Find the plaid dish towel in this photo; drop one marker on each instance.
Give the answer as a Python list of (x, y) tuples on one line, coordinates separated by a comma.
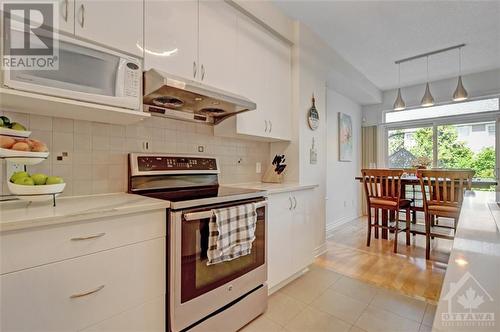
[(231, 233)]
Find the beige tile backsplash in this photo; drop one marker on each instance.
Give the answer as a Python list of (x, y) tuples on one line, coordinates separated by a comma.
[(96, 160)]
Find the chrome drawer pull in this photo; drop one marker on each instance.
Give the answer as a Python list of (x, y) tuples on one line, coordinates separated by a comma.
[(88, 237), (74, 296)]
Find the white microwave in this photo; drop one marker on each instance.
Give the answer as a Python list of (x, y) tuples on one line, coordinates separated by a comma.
[(86, 72)]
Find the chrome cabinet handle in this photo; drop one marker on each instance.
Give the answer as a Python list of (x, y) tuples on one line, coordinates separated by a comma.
[(74, 296), (82, 15), (65, 16), (291, 203), (295, 202), (270, 126), (195, 69), (90, 237), (265, 130), (202, 72)]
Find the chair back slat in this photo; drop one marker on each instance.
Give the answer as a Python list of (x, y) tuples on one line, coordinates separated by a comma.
[(382, 183), (445, 186)]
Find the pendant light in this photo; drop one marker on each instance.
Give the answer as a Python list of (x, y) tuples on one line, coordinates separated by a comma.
[(399, 104), (460, 92), (427, 99)]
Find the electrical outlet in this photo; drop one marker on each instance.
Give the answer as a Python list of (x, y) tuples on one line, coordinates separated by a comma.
[(146, 146), (13, 167), (201, 148), (258, 167)]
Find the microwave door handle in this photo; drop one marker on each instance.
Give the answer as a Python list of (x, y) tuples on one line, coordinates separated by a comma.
[(120, 78)]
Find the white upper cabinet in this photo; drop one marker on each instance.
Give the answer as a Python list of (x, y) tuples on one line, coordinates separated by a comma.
[(250, 68), (263, 71), (217, 44), (171, 37), (117, 24), (67, 16), (279, 89)]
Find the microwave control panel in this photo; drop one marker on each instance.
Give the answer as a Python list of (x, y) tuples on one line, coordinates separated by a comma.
[(172, 163), (133, 75)]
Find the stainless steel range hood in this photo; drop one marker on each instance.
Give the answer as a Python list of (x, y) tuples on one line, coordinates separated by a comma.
[(174, 97)]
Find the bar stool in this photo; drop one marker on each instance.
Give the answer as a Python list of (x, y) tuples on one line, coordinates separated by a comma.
[(383, 192)]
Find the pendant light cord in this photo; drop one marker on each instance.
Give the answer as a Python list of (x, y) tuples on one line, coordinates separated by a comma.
[(427, 69), (399, 75), (459, 61)]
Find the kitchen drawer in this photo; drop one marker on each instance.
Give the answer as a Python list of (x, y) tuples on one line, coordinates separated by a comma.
[(40, 299), (37, 246), (149, 316)]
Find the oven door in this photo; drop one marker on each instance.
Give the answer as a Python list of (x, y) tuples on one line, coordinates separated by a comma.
[(197, 290)]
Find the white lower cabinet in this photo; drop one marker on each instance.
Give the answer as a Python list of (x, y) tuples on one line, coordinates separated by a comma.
[(111, 278), (290, 235), (147, 317)]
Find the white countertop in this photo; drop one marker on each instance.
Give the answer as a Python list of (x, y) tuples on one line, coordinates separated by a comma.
[(473, 274), (274, 188), (15, 215)]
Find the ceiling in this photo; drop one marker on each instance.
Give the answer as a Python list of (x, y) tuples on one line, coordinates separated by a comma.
[(371, 35)]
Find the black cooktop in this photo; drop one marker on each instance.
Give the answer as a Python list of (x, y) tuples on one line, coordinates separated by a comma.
[(189, 194)]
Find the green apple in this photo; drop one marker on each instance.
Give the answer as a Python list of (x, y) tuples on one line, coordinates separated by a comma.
[(39, 178), (18, 175), (54, 180), (25, 181), (17, 126)]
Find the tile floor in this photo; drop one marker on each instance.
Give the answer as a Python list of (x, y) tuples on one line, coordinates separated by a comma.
[(323, 300)]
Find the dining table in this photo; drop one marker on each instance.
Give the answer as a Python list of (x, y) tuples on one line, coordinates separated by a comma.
[(414, 183)]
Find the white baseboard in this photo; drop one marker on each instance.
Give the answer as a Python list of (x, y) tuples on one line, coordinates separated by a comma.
[(319, 250), (288, 280), (331, 227)]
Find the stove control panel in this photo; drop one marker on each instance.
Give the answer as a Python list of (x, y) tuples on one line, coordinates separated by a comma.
[(175, 163)]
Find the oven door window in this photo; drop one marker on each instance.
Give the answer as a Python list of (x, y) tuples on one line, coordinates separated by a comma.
[(198, 277)]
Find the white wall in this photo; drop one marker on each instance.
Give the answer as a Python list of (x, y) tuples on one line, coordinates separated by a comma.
[(343, 193), (477, 85)]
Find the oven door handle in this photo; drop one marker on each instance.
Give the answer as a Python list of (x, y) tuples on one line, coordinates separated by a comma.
[(209, 213)]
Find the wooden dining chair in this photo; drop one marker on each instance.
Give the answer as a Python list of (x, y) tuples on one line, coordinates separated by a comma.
[(442, 192), (383, 194)]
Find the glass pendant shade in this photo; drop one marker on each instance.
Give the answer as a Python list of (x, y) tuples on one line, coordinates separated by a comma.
[(399, 104), (427, 99), (460, 92)]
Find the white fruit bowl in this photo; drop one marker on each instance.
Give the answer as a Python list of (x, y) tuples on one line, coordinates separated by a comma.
[(23, 157), (36, 193), (14, 133)]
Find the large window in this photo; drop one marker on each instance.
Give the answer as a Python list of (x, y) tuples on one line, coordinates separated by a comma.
[(461, 135), (464, 145), (409, 147), (469, 145)]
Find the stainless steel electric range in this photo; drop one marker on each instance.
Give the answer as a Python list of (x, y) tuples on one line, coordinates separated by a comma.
[(201, 297)]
